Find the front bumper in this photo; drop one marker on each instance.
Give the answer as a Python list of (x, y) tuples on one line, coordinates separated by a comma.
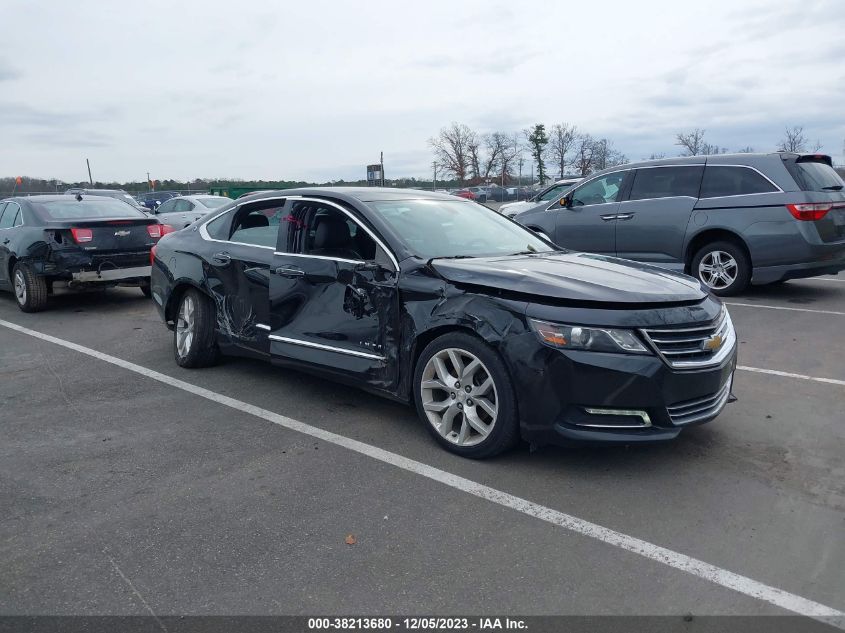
[(588, 397)]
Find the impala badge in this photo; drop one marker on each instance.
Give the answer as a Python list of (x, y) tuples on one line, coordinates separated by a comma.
[(121, 233)]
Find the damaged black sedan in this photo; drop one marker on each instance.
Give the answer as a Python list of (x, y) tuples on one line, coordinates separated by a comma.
[(78, 241), (490, 331)]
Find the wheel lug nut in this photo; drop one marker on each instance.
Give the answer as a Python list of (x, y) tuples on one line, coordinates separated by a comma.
[(457, 385), (460, 406), (469, 402), (454, 395), (467, 388)]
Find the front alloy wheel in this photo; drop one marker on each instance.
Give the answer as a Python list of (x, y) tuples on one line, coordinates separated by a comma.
[(464, 395), (459, 397)]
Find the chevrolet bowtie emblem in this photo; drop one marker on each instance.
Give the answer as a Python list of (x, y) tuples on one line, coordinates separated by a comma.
[(121, 233), (713, 343)]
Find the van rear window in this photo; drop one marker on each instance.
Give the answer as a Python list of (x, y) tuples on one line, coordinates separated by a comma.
[(813, 175)]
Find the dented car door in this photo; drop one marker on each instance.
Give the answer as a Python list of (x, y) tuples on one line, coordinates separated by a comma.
[(333, 295)]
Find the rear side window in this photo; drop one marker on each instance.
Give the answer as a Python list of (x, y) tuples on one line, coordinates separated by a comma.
[(7, 219), (815, 175), (666, 182), (722, 181)]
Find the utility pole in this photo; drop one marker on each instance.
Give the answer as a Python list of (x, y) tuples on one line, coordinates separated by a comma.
[(434, 180), (381, 162), (91, 180), (149, 182)]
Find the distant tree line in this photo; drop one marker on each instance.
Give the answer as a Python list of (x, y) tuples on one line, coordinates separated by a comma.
[(469, 157)]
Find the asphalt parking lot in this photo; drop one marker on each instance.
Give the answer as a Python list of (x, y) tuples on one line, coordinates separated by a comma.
[(125, 494)]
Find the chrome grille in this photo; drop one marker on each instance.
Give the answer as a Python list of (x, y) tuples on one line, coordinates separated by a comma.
[(701, 408), (686, 347)]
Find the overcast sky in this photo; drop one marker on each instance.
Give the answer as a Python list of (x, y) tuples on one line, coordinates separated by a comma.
[(314, 90)]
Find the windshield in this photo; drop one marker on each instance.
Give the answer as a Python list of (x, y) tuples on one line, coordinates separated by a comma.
[(92, 208), (815, 176), (445, 228), (213, 202)]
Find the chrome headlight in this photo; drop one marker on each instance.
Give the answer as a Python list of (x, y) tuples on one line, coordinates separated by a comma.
[(588, 338)]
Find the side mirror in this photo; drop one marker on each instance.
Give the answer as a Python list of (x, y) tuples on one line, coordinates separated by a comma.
[(566, 202), (368, 266)]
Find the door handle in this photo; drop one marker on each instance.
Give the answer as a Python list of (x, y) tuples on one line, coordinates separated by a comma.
[(289, 271), (222, 258), (624, 216), (608, 217)]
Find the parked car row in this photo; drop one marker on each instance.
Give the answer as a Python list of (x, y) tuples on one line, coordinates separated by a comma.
[(85, 238)]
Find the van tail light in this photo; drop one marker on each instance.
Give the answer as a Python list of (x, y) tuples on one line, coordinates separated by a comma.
[(81, 236), (809, 212), (154, 230), (166, 228), (153, 254)]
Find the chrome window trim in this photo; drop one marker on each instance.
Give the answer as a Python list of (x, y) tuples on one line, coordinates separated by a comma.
[(326, 257), (663, 198), (204, 233), (328, 348), (262, 326)]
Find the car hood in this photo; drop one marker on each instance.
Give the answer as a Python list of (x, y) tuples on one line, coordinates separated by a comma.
[(574, 277)]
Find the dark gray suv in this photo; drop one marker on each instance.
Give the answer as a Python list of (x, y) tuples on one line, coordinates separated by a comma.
[(729, 219)]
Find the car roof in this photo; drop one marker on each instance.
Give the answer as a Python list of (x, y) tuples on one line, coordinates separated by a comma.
[(359, 194)]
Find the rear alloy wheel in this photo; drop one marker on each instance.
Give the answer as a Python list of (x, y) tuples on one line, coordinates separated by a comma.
[(194, 343), (30, 289), (465, 396), (723, 267)]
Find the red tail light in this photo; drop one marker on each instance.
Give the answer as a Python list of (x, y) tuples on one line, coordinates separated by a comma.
[(809, 211), (153, 255), (166, 228), (82, 235), (154, 230)]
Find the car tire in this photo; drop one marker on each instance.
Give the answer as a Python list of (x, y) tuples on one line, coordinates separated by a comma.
[(724, 267), (147, 290), (30, 289), (444, 403), (194, 337)]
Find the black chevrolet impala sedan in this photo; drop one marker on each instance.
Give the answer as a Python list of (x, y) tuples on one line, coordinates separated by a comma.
[(490, 331)]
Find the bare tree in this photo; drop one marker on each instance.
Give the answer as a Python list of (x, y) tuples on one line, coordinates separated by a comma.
[(452, 149), (605, 155), (496, 146), (584, 147), (561, 143), (794, 141), (691, 142), (746, 150), (656, 156), (474, 147), (817, 146)]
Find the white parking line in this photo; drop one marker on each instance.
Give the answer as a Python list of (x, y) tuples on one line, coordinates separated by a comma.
[(676, 560), (768, 307), (786, 374)]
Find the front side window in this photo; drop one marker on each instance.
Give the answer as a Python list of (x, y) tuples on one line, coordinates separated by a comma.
[(599, 191), (722, 181), (167, 207), (183, 205), (666, 182), (257, 224), (315, 228), (446, 228)]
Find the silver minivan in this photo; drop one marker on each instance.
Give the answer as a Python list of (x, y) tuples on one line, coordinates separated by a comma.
[(728, 219)]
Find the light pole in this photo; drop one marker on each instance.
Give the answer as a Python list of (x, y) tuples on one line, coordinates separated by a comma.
[(434, 180)]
